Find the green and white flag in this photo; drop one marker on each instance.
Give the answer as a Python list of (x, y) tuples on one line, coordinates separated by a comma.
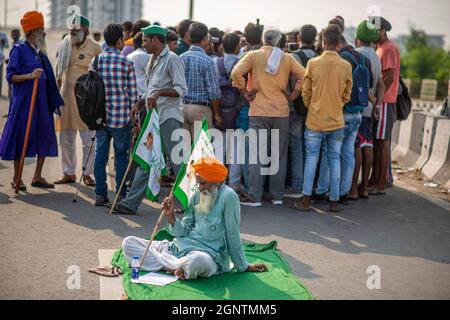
[(186, 184), (149, 154)]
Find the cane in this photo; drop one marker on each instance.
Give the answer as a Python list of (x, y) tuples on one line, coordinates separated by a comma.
[(85, 167), (155, 231), (27, 134), (130, 164)]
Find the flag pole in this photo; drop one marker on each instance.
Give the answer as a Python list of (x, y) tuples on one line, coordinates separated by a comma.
[(116, 199), (155, 231), (27, 134)]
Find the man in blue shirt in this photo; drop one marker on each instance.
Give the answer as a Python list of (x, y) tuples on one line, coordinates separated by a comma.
[(203, 97), (207, 238)]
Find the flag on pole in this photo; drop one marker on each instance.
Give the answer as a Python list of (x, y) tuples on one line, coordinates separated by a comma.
[(149, 154), (186, 184)]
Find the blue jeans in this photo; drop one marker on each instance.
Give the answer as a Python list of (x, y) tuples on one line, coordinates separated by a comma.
[(313, 143), (122, 141), (352, 123), (296, 149)]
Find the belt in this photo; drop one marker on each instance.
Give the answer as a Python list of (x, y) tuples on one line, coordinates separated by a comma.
[(206, 104)]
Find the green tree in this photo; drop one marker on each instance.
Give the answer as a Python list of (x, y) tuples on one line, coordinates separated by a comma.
[(422, 61)]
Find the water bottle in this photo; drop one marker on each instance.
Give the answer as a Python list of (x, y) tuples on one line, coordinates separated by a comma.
[(135, 270)]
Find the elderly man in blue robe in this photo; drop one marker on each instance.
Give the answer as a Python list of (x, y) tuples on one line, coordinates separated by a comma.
[(206, 239), (28, 61)]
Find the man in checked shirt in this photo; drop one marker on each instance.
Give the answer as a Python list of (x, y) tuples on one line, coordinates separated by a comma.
[(117, 73)]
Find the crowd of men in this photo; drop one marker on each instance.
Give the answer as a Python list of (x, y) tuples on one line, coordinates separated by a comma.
[(333, 104)]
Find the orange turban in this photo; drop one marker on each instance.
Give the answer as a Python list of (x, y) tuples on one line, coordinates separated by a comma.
[(211, 169), (32, 20)]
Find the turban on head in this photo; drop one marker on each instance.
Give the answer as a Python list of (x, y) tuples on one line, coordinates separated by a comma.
[(82, 20), (210, 169), (367, 32), (32, 20)]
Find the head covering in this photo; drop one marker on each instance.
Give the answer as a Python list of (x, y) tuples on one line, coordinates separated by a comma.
[(367, 32), (83, 21), (155, 30), (210, 169), (32, 20)]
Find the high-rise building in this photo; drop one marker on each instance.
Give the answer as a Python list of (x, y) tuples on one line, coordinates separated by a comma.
[(99, 12)]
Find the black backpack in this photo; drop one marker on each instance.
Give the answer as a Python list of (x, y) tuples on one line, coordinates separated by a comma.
[(404, 104), (299, 105), (90, 96)]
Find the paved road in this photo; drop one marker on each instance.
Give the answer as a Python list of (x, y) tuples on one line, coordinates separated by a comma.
[(406, 234)]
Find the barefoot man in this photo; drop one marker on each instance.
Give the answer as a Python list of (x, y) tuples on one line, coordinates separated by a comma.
[(207, 238)]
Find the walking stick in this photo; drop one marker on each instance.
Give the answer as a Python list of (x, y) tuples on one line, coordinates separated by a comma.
[(85, 167), (155, 231), (27, 135), (130, 164)]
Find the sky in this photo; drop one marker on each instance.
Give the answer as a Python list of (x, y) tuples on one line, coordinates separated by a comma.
[(431, 16)]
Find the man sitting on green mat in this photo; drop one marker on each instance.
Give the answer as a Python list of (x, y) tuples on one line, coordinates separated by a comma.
[(207, 237)]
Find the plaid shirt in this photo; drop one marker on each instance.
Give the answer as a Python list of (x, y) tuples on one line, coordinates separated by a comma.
[(201, 76), (121, 93)]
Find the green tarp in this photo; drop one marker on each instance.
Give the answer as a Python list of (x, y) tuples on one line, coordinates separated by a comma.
[(277, 284)]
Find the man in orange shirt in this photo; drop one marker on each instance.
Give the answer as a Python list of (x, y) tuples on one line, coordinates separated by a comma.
[(387, 115), (270, 69)]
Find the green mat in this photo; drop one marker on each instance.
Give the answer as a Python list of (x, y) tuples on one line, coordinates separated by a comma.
[(277, 284)]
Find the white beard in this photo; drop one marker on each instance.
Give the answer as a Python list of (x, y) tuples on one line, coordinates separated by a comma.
[(206, 200), (41, 44), (77, 39)]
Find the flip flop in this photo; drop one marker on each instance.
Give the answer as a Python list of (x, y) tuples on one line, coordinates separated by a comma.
[(376, 193), (43, 184), (22, 186), (109, 272)]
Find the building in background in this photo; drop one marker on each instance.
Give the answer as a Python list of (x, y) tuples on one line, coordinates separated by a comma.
[(99, 12)]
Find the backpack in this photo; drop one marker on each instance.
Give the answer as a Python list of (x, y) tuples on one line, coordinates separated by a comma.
[(229, 99), (403, 102), (90, 96), (361, 83), (299, 105)]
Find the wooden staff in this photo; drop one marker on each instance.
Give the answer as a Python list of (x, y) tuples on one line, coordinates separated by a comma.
[(155, 231), (27, 134), (130, 164)]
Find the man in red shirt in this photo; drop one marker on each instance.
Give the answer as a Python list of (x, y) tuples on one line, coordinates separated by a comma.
[(386, 115)]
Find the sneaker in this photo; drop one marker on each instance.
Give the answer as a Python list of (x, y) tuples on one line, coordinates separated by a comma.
[(293, 193), (277, 202), (319, 198), (122, 209), (101, 201), (248, 201)]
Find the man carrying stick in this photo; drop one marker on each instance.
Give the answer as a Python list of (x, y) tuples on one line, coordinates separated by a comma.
[(207, 237), (28, 61)]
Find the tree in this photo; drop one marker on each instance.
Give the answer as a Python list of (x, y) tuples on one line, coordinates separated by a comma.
[(422, 61)]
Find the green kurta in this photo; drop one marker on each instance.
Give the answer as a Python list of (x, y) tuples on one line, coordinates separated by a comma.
[(216, 233)]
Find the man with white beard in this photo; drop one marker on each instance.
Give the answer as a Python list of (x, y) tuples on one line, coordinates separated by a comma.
[(27, 63), (208, 236), (74, 55)]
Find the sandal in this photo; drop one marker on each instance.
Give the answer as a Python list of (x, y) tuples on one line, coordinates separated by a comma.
[(88, 181), (22, 186), (109, 272), (376, 192), (41, 183)]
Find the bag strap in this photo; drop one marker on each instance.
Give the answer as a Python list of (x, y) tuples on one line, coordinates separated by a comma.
[(221, 66), (95, 64), (302, 56), (348, 55)]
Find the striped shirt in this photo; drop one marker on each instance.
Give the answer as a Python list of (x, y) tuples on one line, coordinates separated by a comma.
[(201, 77), (117, 73)]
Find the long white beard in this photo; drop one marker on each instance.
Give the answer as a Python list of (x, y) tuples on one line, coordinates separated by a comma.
[(41, 44), (206, 200), (77, 39)]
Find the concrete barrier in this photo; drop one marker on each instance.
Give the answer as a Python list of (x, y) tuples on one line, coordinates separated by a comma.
[(411, 134), (438, 166), (429, 132)]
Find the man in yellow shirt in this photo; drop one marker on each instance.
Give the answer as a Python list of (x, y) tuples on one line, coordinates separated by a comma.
[(327, 89), (269, 71)]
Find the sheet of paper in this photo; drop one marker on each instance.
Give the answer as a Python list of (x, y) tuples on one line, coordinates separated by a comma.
[(157, 279)]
